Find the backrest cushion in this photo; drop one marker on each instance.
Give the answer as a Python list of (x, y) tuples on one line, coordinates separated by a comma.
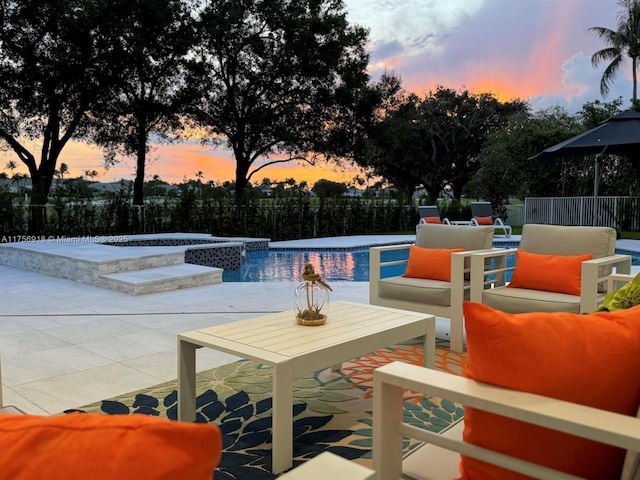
[(562, 240), (484, 220), (431, 263), (91, 447), (431, 219), (481, 209), (551, 273), (428, 211), (454, 236), (584, 359)]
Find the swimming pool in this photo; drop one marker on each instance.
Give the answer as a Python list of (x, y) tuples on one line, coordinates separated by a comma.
[(287, 266), (333, 265)]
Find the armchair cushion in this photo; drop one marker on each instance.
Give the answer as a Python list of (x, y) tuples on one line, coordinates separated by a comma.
[(484, 220), (431, 263), (552, 273), (92, 446), (430, 292), (585, 359)]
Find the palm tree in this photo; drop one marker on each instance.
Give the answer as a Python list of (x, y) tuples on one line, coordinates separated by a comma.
[(623, 41)]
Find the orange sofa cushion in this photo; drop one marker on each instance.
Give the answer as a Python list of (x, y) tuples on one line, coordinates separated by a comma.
[(551, 273), (91, 447), (431, 263), (431, 219), (484, 220), (584, 359)]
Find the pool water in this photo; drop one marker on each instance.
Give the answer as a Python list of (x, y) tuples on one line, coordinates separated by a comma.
[(332, 265)]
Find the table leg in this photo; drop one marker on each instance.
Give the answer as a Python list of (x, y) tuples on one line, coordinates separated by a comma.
[(186, 381), (282, 432), (429, 357)]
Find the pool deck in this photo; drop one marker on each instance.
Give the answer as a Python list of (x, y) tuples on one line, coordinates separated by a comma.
[(65, 344)]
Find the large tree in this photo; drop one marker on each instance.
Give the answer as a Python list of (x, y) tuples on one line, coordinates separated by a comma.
[(434, 141), (55, 62), (277, 78), (621, 43), (396, 146), (156, 37)]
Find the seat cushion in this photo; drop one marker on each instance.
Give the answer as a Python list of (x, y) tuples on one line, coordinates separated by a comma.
[(553, 273), (484, 220), (419, 463), (584, 359), (432, 220), (523, 300), (430, 263), (91, 447), (418, 290)]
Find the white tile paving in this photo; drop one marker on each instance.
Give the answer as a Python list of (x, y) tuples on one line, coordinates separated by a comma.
[(65, 344)]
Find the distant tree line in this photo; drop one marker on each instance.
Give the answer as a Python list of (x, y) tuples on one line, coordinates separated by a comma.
[(207, 208)]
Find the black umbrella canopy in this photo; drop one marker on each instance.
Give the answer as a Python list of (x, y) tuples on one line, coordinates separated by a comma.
[(618, 135)]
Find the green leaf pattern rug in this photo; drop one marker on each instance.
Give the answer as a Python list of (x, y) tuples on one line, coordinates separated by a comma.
[(332, 410)]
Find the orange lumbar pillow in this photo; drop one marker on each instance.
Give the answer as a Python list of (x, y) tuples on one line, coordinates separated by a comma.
[(484, 220), (430, 263), (91, 447), (431, 219), (552, 273), (584, 359)]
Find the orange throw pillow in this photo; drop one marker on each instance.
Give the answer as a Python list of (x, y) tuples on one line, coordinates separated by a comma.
[(430, 263), (432, 220), (584, 359), (551, 273), (92, 447), (484, 220)]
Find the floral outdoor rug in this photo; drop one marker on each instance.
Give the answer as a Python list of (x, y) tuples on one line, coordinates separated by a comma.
[(332, 410)]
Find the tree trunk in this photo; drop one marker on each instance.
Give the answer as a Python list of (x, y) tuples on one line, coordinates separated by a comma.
[(41, 179), (141, 154)]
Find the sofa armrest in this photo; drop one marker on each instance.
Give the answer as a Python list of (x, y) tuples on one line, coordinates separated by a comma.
[(593, 276), (388, 428), (617, 280), (491, 262), (376, 263)]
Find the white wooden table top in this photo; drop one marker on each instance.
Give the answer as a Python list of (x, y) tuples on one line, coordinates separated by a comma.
[(277, 336)]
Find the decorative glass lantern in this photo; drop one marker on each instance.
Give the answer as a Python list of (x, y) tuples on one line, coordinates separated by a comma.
[(311, 300)]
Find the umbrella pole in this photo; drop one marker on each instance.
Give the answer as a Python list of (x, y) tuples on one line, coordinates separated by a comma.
[(596, 183)]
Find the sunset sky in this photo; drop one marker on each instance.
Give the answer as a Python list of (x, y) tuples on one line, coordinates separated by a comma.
[(536, 50)]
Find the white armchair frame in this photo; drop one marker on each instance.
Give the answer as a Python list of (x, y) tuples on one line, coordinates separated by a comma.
[(388, 428), (458, 288), (591, 293)]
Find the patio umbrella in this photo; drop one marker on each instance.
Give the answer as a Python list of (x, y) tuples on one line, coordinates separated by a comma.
[(618, 135)]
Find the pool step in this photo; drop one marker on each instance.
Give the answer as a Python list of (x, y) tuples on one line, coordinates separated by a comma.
[(161, 279)]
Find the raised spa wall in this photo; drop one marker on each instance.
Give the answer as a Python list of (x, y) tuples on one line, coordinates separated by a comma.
[(226, 254)]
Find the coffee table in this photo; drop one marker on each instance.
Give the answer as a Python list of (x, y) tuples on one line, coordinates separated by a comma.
[(352, 330)]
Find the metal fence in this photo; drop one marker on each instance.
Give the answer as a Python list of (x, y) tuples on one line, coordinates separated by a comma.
[(515, 215), (622, 213)]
